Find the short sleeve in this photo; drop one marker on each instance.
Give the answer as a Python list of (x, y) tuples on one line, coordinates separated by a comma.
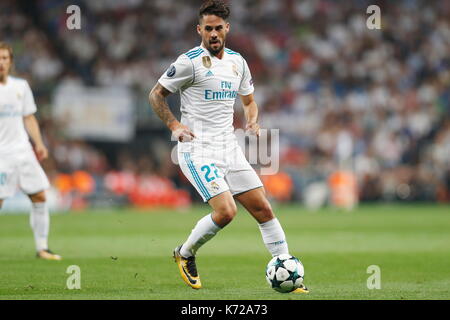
[(246, 86), (178, 74), (29, 106)]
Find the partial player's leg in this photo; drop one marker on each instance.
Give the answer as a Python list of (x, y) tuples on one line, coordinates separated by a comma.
[(33, 181), (256, 203), (248, 189), (259, 207), (224, 210), (207, 177), (40, 224)]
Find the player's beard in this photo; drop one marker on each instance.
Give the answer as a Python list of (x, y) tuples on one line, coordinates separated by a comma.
[(215, 52)]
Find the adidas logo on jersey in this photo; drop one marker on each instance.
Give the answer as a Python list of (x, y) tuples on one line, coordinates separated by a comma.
[(209, 74)]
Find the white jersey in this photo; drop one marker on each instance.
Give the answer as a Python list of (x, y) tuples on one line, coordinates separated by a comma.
[(16, 101), (208, 88)]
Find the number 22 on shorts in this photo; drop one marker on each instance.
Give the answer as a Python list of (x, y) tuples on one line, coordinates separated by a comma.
[(208, 172)]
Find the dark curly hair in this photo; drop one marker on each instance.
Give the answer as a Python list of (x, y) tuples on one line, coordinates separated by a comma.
[(214, 7)]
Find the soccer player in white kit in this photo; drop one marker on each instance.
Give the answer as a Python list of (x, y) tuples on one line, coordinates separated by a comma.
[(209, 78), (19, 166)]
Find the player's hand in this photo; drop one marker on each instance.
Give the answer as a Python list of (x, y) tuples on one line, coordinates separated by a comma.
[(252, 128), (41, 152), (183, 133)]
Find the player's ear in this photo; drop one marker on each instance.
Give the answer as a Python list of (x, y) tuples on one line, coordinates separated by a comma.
[(227, 27), (199, 29)]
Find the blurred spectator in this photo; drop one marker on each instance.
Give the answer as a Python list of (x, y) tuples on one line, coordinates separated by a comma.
[(278, 186)]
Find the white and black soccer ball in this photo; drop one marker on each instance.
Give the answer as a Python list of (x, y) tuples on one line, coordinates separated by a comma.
[(284, 273)]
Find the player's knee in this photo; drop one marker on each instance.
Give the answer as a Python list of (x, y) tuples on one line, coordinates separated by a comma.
[(264, 212), (38, 197), (1, 203), (227, 212)]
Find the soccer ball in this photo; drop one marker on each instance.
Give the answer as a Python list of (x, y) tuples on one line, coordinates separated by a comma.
[(284, 273)]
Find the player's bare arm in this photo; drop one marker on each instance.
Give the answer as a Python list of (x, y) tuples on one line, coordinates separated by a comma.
[(32, 127), (157, 99), (251, 114)]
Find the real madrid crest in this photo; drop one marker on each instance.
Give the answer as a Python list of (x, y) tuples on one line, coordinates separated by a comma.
[(206, 61), (215, 186), (235, 70)]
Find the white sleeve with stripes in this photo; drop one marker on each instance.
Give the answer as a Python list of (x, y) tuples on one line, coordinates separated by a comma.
[(178, 74)]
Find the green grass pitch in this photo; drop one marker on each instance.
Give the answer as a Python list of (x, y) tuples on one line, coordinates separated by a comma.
[(127, 254)]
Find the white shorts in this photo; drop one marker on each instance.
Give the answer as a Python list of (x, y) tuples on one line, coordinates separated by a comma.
[(21, 170), (213, 171)]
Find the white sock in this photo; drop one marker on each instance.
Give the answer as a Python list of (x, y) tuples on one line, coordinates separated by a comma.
[(203, 231), (40, 223), (274, 237)]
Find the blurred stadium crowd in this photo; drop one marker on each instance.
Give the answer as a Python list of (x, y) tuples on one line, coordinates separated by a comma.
[(343, 96)]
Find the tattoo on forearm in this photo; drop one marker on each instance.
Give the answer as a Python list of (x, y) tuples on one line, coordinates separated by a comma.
[(161, 108)]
